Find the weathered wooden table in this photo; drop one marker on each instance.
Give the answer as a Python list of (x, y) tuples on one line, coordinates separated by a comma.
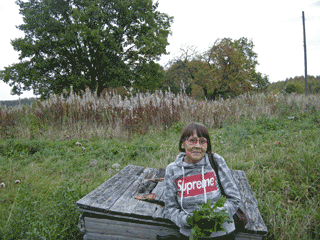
[(111, 211)]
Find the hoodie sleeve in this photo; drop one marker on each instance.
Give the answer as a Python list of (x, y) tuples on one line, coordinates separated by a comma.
[(172, 209), (229, 186)]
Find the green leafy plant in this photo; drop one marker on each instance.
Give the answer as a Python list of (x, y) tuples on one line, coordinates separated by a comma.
[(207, 220), (177, 127)]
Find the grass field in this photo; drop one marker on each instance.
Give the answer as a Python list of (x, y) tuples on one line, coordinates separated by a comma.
[(274, 139)]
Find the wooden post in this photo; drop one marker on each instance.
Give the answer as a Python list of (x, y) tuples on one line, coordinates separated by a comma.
[(305, 54)]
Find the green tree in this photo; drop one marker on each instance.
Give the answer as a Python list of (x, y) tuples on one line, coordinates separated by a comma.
[(94, 43), (261, 81), (149, 77), (294, 87), (227, 69), (234, 63), (290, 88)]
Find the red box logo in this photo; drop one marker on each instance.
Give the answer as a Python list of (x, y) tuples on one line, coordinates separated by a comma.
[(194, 185)]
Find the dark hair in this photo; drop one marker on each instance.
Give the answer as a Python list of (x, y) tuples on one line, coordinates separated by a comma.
[(201, 131)]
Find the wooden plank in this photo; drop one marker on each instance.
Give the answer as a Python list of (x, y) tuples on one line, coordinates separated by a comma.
[(90, 198), (248, 236), (146, 208), (93, 195), (159, 174), (249, 203), (126, 229), (104, 229), (147, 186), (96, 236), (158, 213), (159, 190), (126, 203), (110, 229), (117, 188), (161, 187), (126, 218), (237, 179)]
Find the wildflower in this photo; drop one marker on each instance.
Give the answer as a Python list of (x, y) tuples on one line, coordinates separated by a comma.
[(278, 143)]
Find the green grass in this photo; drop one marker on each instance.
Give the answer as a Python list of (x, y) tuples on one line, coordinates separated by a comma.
[(280, 157)]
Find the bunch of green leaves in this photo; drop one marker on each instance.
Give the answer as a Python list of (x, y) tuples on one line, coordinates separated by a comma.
[(207, 220)]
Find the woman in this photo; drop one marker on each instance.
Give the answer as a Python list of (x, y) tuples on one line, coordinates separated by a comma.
[(185, 189)]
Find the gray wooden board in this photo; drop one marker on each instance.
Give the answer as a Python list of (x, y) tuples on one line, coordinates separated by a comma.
[(249, 203), (158, 213), (159, 190), (92, 196), (126, 203), (248, 236), (127, 229), (103, 189), (121, 217), (111, 195), (146, 208), (96, 236), (147, 185)]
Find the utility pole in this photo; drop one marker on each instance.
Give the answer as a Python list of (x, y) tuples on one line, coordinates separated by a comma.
[(305, 54)]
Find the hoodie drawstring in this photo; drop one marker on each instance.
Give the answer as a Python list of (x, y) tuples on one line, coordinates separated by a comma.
[(183, 190), (203, 185)]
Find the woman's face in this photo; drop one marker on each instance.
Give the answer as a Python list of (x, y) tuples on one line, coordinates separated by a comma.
[(195, 148)]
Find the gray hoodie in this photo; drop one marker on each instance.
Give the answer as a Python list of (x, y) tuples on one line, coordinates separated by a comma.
[(185, 189)]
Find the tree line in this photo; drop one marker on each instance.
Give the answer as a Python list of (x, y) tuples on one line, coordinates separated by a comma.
[(108, 45), (296, 85)]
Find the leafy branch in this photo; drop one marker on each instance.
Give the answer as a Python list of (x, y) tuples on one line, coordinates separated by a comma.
[(207, 220)]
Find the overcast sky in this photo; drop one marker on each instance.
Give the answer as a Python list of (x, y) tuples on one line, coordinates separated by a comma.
[(274, 26)]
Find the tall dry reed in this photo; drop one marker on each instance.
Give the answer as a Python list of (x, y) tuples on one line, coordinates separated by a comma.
[(88, 115)]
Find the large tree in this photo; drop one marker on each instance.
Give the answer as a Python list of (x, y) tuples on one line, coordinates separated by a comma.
[(233, 64), (227, 69), (94, 43)]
